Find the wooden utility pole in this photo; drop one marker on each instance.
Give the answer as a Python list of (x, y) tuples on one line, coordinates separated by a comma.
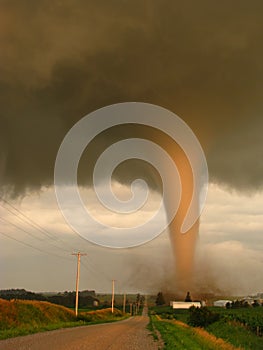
[(124, 303), (112, 296), (77, 281)]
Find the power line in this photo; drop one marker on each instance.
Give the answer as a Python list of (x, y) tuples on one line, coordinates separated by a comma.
[(21, 229), (35, 225), (89, 269), (33, 247), (28, 220), (32, 235), (94, 268), (25, 219)]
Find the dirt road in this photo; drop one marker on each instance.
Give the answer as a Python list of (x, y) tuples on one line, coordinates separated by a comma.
[(130, 334)]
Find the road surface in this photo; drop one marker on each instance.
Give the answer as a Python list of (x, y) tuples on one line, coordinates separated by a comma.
[(130, 334)]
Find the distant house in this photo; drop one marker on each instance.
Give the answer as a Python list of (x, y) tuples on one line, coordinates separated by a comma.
[(185, 304), (248, 300), (221, 303)]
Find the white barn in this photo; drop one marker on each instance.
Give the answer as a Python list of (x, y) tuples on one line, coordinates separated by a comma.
[(184, 304)]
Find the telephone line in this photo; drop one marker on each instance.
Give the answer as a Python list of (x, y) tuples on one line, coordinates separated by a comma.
[(33, 224), (96, 270), (89, 269), (29, 221), (32, 235), (21, 229), (33, 247)]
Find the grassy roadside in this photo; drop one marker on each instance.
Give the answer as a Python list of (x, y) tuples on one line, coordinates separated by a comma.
[(177, 335), (235, 326), (21, 317), (152, 328)]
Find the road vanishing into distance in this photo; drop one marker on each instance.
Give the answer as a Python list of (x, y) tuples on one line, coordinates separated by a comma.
[(130, 334)]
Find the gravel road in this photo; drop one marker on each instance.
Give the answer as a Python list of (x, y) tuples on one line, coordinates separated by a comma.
[(130, 334)]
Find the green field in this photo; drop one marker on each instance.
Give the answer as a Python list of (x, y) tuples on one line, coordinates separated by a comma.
[(240, 327)]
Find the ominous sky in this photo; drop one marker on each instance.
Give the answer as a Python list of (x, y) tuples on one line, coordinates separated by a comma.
[(200, 59)]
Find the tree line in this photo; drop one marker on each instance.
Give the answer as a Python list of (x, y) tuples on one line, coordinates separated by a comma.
[(86, 298)]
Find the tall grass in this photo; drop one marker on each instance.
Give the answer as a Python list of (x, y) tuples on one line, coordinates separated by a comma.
[(178, 335), (20, 317), (236, 334)]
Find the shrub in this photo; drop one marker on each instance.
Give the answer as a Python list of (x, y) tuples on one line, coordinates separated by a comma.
[(201, 317)]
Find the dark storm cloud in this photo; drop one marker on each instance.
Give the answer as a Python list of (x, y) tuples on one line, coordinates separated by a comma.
[(61, 60)]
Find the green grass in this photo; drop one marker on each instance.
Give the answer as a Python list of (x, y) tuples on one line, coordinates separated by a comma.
[(30, 329), (182, 338), (236, 326), (151, 328), (252, 318), (236, 334), (102, 316), (20, 317), (240, 326), (166, 312)]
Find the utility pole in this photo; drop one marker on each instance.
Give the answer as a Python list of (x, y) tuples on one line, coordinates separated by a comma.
[(112, 296), (124, 303), (78, 255)]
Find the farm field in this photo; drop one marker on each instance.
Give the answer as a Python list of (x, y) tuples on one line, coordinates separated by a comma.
[(239, 328)]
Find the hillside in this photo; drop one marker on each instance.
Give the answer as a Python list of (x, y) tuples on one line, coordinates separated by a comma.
[(20, 317), (26, 316)]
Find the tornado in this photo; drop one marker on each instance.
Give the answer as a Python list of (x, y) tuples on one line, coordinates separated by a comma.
[(183, 244), (165, 142)]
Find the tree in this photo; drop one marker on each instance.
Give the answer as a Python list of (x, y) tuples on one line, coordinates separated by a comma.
[(255, 303), (228, 305), (160, 299), (188, 297), (142, 299), (202, 317), (236, 304), (138, 302), (138, 298)]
